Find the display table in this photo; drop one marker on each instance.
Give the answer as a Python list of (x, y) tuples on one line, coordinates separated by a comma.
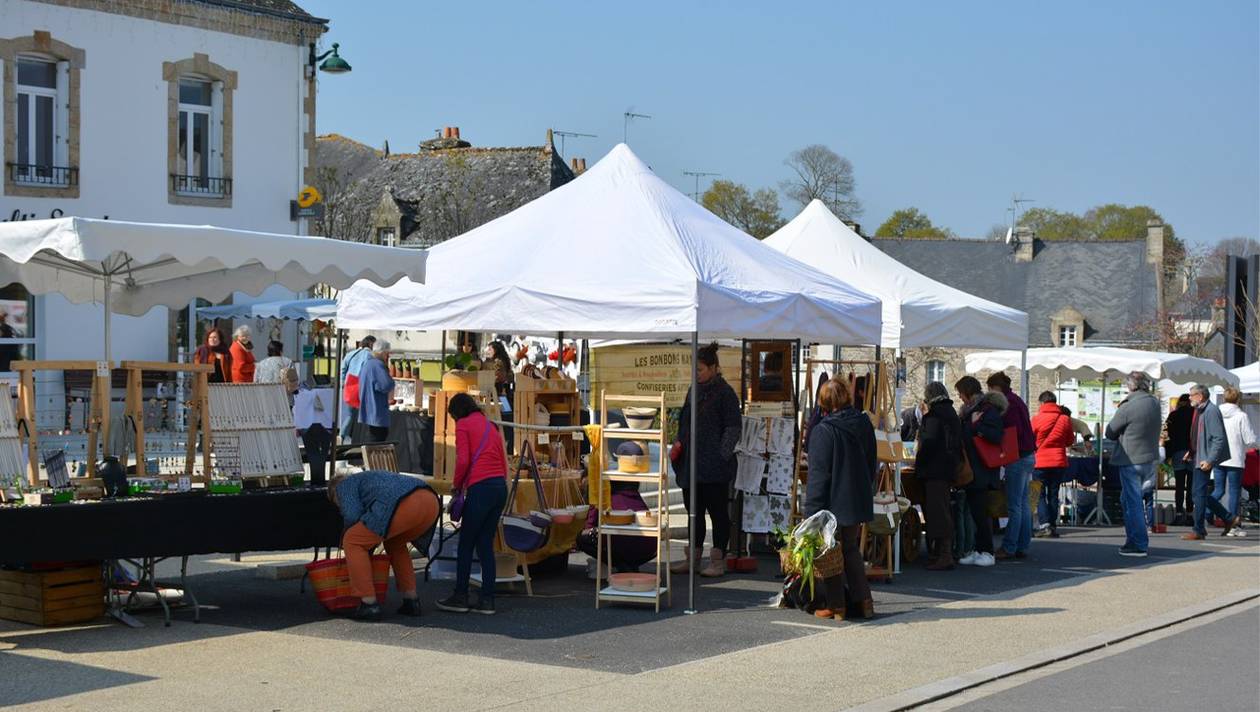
[(412, 435), (1084, 470), (171, 525)]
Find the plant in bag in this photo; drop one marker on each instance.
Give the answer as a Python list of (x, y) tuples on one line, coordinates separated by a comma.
[(803, 545)]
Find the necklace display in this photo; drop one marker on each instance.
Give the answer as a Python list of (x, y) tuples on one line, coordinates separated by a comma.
[(256, 423), (11, 461)]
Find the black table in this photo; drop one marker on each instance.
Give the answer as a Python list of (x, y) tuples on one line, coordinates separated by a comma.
[(143, 531), (169, 525)]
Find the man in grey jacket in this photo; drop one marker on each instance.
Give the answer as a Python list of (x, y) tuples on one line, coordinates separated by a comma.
[(1209, 447), (1135, 428)]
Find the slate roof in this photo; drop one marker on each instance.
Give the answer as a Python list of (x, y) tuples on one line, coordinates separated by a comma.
[(276, 8), (1110, 283), (444, 192)]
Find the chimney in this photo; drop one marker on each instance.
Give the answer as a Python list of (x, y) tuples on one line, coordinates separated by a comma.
[(455, 132), (1155, 241), (573, 164), (581, 165), (446, 132), (1218, 312), (1024, 240)]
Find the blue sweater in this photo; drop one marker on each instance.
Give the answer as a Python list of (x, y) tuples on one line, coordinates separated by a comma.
[(372, 496), (375, 383)]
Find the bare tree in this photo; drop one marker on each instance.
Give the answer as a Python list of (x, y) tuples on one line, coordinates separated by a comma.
[(346, 215), (821, 173)]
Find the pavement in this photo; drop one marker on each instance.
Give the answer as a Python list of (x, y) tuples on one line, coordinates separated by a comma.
[(263, 645)]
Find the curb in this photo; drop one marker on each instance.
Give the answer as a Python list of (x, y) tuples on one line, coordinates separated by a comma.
[(941, 689)]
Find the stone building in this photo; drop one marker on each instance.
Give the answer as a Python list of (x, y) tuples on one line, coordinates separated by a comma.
[(1076, 293), (444, 189)]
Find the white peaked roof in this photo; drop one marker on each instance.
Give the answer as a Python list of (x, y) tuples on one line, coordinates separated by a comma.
[(1248, 377), (1093, 361), (152, 265), (617, 252), (918, 311)]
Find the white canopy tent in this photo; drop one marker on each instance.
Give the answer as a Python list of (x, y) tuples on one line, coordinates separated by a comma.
[(133, 267), (294, 309), (918, 311), (619, 253), (1106, 362), (1248, 377)]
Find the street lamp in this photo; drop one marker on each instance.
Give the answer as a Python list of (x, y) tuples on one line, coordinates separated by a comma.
[(334, 64)]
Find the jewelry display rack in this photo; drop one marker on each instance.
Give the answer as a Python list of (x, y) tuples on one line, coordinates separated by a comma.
[(259, 417)]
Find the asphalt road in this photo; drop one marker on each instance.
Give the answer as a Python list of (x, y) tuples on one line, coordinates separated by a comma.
[(1206, 667)]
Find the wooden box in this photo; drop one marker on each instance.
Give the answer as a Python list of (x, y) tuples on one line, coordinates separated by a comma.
[(60, 597), (545, 385)]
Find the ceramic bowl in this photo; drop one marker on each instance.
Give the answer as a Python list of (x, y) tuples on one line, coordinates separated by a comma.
[(640, 418), (632, 464), (580, 510), (632, 582), (646, 518), (560, 516), (619, 517)]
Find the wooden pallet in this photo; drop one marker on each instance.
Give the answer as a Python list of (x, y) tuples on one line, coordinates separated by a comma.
[(52, 597)]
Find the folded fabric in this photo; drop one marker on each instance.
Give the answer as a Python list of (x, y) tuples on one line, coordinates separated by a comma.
[(749, 472), (782, 436), (752, 436), (779, 479), (756, 514)]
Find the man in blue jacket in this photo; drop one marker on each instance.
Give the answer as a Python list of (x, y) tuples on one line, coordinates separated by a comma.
[(1209, 447)]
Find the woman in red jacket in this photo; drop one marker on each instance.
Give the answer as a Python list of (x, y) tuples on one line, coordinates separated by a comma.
[(481, 473), (1053, 430)]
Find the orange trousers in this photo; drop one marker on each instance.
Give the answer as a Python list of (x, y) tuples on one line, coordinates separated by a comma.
[(416, 514)]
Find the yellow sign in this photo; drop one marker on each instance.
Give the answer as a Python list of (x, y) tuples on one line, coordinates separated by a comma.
[(309, 196), (648, 369)]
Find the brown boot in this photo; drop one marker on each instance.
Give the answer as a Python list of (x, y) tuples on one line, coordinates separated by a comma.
[(716, 566), (944, 560), (683, 565), (868, 609)]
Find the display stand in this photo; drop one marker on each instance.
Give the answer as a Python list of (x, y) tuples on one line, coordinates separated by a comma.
[(197, 405), (444, 430), (881, 545), (257, 420), (659, 532), (11, 460), (96, 423), (563, 402)]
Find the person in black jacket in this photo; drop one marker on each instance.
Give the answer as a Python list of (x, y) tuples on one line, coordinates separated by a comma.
[(935, 464), (718, 425), (981, 416), (841, 478), (1176, 445)]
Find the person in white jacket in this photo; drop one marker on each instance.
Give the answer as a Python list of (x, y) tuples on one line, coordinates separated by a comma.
[(1228, 475)]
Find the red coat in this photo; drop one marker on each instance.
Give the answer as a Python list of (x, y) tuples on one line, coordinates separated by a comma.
[(242, 363), (1054, 434)]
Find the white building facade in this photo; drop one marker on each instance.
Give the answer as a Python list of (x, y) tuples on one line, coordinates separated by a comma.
[(167, 111)]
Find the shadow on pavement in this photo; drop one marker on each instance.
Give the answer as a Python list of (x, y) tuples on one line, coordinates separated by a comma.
[(26, 679)]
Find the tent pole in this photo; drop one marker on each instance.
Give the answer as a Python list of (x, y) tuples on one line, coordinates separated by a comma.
[(1023, 375), (442, 365), (336, 379), (109, 299), (693, 477)]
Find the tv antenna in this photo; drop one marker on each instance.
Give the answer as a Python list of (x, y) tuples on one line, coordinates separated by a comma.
[(563, 134), (625, 124), (698, 175)]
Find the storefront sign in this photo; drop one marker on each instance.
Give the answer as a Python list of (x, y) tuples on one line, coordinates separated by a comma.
[(648, 369), (20, 215)]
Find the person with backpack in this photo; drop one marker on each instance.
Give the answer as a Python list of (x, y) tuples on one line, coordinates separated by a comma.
[(481, 469), (936, 465), (1054, 432)]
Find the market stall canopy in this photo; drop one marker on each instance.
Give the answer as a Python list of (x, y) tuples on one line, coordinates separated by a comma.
[(295, 309), (918, 311), (1248, 377), (617, 252), (1094, 361), (133, 267)]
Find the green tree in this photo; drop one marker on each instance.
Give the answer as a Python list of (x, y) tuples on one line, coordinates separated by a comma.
[(910, 224), (756, 213), (1052, 225)]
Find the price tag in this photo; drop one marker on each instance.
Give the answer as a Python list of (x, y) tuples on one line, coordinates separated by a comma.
[(102, 368), (543, 439), (185, 484), (579, 436)]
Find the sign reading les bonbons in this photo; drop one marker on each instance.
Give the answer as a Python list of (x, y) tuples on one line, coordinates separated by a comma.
[(648, 369)]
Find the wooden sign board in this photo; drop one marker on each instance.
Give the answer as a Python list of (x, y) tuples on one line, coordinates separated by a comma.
[(650, 369)]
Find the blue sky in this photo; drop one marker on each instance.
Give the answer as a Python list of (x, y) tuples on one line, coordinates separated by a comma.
[(948, 107)]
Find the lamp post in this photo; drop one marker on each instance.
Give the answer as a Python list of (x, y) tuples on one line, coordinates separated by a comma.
[(332, 61)]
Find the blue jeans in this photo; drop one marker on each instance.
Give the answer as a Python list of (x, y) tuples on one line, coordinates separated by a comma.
[(1048, 506), (1019, 524), (1131, 479), (1228, 480), (1204, 503), (483, 504), (1148, 496)]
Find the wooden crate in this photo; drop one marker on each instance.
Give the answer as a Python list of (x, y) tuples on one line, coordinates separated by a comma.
[(59, 597)]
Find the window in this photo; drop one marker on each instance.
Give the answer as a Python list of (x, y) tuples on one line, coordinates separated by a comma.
[(1067, 335), (936, 371), (385, 236), (198, 163), (42, 122), (16, 327), (199, 132)]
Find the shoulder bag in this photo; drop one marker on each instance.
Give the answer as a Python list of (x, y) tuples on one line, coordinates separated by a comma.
[(526, 532), (457, 500), (995, 455)]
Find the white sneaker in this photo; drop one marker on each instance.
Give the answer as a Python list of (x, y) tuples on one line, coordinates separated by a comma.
[(985, 560), (1237, 531), (969, 559)]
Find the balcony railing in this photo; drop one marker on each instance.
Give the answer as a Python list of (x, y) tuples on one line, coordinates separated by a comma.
[(51, 176), (201, 186)]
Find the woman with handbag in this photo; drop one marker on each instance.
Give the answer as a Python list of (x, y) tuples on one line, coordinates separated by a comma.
[(842, 466), (718, 426), (480, 487), (936, 466), (382, 507), (980, 418)]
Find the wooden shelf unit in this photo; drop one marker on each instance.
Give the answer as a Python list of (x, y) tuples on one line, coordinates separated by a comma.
[(560, 397), (198, 406), (444, 428), (660, 532)]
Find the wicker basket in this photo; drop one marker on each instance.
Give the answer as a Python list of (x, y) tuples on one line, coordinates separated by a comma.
[(829, 563)]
